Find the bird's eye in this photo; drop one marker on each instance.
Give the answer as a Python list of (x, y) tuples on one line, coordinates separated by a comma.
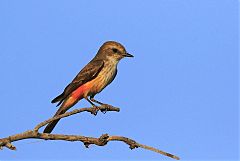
[(115, 50)]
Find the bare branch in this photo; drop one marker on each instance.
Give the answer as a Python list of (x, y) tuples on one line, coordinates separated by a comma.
[(92, 110), (101, 141)]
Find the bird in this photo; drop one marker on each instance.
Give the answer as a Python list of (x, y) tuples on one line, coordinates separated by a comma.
[(91, 80)]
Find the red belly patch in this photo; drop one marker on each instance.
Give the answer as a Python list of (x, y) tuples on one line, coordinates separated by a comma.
[(79, 92)]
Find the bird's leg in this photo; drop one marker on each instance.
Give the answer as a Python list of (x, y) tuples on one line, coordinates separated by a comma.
[(102, 104), (96, 108)]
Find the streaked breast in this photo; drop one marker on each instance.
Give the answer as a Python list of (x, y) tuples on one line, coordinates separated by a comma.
[(103, 78)]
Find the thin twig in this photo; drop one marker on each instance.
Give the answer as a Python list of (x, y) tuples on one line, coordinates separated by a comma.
[(101, 141), (92, 110)]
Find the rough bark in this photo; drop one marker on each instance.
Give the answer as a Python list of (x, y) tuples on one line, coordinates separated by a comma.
[(101, 141)]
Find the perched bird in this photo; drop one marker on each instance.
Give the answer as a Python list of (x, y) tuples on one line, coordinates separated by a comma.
[(92, 79)]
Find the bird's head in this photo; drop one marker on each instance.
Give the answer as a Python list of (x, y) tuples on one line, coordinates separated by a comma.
[(113, 50)]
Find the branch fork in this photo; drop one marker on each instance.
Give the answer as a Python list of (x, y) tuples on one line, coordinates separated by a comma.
[(101, 141)]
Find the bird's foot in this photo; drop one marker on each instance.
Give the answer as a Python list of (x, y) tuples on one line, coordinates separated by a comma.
[(105, 108), (95, 110)]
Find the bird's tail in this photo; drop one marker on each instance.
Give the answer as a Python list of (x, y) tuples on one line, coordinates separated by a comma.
[(49, 128), (68, 103)]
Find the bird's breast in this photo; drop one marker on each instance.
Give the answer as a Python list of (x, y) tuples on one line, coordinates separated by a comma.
[(105, 77)]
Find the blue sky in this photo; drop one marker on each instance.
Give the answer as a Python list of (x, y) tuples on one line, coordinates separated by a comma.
[(178, 94)]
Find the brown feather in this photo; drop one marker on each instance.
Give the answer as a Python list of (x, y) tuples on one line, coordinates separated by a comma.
[(89, 72)]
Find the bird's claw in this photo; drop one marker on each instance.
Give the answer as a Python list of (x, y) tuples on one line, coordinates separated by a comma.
[(95, 110), (106, 107)]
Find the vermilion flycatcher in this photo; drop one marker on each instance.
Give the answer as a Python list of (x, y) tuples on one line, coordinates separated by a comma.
[(92, 79)]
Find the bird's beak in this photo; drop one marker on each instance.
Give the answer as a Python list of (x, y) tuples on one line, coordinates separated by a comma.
[(127, 55)]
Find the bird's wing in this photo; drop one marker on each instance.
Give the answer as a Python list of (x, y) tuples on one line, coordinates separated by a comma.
[(88, 73)]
